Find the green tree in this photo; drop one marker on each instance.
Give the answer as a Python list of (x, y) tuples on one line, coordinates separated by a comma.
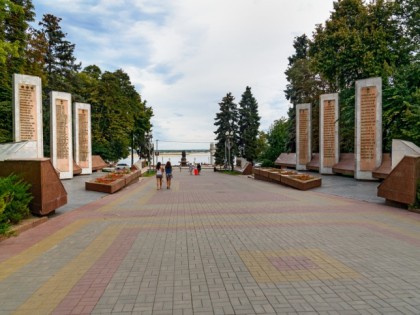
[(402, 106), (249, 122), (60, 67), (226, 121), (119, 116), (305, 86), (277, 142), (15, 17)]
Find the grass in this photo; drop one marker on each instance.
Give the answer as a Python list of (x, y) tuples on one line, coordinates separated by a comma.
[(149, 173)]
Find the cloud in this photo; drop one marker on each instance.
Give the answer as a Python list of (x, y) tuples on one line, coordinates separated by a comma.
[(184, 56)]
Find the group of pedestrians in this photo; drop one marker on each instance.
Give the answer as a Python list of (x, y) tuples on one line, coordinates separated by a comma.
[(160, 170), (193, 169)]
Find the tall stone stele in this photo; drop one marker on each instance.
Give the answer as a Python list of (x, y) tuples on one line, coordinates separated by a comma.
[(27, 112), (82, 137), (329, 147), (61, 135), (303, 135), (368, 142)]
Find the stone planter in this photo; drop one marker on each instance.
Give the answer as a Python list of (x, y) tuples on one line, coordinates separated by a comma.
[(274, 177), (109, 188), (132, 177), (115, 185), (295, 182)]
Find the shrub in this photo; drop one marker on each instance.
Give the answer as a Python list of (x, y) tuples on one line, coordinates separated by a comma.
[(14, 201)]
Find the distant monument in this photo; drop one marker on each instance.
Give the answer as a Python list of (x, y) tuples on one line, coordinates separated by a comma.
[(27, 112), (184, 159), (303, 135), (368, 146), (212, 152), (61, 134)]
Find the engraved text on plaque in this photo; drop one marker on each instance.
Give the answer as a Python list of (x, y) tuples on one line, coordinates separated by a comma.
[(303, 136), (329, 133), (367, 128)]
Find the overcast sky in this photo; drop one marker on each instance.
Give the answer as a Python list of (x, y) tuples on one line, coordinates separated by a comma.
[(184, 56)]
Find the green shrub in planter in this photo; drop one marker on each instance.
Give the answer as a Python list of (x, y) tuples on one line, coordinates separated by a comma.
[(14, 201)]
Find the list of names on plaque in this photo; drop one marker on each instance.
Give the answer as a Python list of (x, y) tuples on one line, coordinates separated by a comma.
[(83, 138), (367, 128), (27, 112), (329, 133), (62, 135), (303, 136)]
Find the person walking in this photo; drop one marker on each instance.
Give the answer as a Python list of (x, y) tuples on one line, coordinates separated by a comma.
[(159, 175), (168, 172), (199, 168)]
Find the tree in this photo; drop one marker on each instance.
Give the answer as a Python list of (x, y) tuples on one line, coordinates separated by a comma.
[(401, 108), (305, 86), (226, 121), (59, 66), (15, 17), (277, 142), (249, 122), (60, 62), (358, 41)]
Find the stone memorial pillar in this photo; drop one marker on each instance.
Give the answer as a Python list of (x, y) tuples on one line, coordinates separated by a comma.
[(82, 137), (212, 152), (368, 144), (329, 147), (61, 133), (303, 135), (27, 111)]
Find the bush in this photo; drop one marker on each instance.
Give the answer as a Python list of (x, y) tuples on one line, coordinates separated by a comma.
[(14, 201)]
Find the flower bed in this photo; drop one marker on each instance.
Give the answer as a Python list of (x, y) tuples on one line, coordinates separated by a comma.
[(112, 182), (301, 181)]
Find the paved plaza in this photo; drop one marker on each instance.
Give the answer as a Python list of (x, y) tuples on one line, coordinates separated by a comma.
[(216, 244)]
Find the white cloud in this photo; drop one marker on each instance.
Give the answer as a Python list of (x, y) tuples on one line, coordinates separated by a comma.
[(185, 55)]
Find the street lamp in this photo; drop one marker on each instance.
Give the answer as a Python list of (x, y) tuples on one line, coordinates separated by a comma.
[(228, 144)]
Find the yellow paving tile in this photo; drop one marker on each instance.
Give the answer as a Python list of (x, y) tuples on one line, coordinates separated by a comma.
[(49, 295)]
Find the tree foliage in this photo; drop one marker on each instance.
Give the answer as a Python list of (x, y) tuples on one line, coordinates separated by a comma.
[(248, 123), (360, 40), (276, 142), (226, 122), (120, 117)]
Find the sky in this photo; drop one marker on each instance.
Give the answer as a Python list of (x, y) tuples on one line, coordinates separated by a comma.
[(184, 56)]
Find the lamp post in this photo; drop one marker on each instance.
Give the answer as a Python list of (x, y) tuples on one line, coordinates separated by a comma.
[(229, 136)]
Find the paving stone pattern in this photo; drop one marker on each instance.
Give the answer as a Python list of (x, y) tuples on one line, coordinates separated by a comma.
[(216, 244)]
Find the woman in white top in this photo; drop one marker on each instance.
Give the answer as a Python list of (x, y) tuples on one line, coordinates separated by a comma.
[(159, 175)]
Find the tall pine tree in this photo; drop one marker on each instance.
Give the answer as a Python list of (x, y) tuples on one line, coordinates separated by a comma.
[(226, 122), (249, 122)]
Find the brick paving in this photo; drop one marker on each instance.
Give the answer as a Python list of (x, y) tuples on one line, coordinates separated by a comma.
[(216, 244)]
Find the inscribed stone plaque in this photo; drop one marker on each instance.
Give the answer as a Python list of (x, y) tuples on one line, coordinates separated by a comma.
[(82, 138), (328, 124), (303, 135), (61, 134), (27, 111), (368, 127)]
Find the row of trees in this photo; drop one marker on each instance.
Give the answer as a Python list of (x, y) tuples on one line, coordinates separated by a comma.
[(120, 117), (360, 40), (237, 127)]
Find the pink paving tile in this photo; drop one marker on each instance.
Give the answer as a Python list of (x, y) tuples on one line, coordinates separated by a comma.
[(86, 294)]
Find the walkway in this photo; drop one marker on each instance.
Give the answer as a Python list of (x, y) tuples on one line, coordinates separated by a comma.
[(216, 244)]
